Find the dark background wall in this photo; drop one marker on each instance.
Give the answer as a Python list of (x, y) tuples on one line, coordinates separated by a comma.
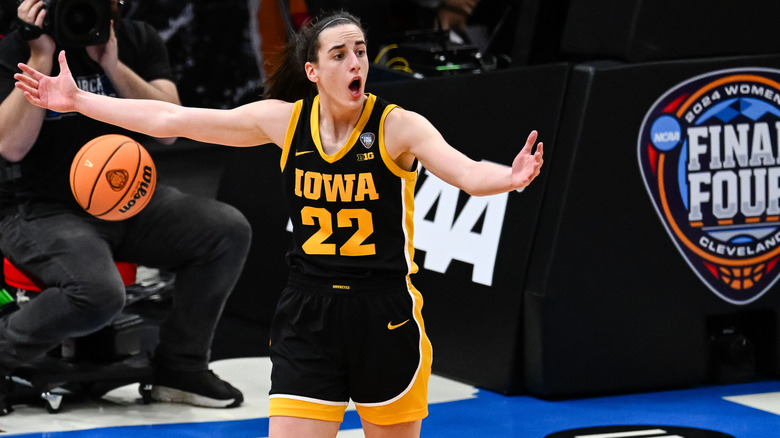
[(589, 294)]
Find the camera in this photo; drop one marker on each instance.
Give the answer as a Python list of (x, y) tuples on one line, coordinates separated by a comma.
[(75, 23)]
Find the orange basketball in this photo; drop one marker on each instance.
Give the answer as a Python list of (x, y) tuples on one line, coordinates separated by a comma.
[(113, 177)]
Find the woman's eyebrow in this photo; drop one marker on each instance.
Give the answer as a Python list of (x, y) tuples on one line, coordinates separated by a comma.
[(341, 46)]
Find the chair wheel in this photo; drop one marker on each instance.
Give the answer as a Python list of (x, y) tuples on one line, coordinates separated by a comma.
[(53, 402)]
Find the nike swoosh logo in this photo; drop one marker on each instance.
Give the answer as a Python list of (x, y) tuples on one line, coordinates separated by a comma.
[(302, 152), (390, 325)]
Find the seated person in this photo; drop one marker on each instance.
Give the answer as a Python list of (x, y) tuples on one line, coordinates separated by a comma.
[(46, 233)]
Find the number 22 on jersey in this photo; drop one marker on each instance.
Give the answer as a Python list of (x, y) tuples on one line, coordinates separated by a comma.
[(358, 218)]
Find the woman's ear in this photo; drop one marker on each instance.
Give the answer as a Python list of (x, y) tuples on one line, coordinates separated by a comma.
[(310, 72)]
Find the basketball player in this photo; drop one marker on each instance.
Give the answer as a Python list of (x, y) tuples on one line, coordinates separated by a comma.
[(348, 325), (46, 233)]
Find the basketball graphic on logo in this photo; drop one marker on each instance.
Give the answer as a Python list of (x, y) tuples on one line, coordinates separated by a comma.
[(113, 177)]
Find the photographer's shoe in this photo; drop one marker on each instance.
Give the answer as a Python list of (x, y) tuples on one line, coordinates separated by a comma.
[(198, 388)]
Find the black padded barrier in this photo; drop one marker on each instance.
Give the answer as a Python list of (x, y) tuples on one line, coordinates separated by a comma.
[(647, 30), (251, 183), (476, 329), (610, 304)]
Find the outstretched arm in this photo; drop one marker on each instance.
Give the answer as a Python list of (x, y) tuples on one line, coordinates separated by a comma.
[(252, 124), (409, 135)]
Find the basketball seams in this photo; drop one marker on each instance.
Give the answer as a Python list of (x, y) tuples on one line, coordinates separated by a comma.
[(130, 182), (99, 177)]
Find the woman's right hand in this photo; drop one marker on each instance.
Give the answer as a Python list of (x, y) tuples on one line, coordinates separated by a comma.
[(55, 93)]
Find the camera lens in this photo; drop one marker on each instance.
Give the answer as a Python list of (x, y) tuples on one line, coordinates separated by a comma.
[(80, 18), (80, 23)]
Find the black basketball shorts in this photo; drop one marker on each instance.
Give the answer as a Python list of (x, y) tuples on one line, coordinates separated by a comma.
[(338, 341)]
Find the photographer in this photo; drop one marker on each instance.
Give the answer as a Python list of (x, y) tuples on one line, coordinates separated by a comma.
[(46, 233)]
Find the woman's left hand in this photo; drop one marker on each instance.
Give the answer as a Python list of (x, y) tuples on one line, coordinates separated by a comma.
[(527, 164)]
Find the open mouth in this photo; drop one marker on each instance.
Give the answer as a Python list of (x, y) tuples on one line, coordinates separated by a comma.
[(354, 86)]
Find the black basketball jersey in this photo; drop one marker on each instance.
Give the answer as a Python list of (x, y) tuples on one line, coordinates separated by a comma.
[(352, 211)]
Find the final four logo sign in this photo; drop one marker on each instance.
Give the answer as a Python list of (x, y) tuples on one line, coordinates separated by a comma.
[(709, 152)]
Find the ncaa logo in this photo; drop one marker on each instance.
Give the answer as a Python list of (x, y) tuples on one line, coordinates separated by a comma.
[(709, 153)]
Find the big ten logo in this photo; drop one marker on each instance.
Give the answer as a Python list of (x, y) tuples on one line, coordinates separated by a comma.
[(470, 235)]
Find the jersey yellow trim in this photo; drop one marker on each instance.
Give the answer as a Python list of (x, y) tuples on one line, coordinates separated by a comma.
[(288, 137), (409, 180), (356, 131), (408, 225), (409, 175)]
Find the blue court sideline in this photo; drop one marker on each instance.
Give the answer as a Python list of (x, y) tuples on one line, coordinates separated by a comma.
[(750, 410)]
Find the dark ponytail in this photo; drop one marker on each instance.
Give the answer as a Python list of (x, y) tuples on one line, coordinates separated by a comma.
[(289, 81)]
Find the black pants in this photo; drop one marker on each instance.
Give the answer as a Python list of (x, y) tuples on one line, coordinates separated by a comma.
[(204, 241)]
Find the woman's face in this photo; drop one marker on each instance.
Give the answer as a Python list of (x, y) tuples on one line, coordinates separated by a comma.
[(342, 64)]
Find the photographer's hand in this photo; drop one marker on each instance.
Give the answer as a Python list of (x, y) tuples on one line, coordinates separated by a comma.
[(107, 55), (126, 82), (32, 14)]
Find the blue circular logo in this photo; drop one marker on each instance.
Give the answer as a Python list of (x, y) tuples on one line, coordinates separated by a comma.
[(665, 133)]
